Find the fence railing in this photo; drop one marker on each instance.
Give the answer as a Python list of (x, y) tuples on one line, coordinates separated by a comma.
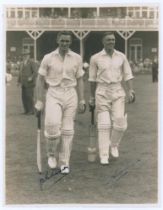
[(77, 24)]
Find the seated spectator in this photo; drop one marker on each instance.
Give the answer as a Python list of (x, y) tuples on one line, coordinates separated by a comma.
[(76, 14), (131, 64), (147, 65), (136, 68), (8, 66), (8, 78), (141, 65)]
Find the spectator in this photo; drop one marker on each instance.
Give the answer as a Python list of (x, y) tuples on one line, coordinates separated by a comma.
[(8, 66), (27, 75), (141, 65), (155, 70)]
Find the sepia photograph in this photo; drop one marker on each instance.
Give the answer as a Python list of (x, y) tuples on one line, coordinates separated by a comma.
[(81, 89)]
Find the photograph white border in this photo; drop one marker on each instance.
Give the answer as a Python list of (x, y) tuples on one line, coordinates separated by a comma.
[(74, 3)]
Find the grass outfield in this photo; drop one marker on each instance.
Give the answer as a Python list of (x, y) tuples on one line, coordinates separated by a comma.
[(132, 179)]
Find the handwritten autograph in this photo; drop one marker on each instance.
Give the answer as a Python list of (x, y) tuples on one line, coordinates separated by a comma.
[(121, 173), (49, 174)]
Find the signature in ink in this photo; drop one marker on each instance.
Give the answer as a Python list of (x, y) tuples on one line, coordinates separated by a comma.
[(121, 173), (49, 174)]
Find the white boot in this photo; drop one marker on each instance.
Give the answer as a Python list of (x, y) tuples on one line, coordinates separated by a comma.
[(114, 151), (65, 169)]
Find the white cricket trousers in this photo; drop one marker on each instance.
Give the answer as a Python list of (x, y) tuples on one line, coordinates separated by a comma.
[(111, 119), (60, 111)]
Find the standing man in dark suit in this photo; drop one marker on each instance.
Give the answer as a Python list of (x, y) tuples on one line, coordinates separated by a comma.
[(155, 69), (27, 76)]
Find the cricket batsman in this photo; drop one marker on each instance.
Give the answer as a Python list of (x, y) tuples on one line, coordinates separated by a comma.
[(107, 70), (62, 71)]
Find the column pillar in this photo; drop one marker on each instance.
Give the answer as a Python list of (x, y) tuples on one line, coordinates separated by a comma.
[(23, 12), (82, 48), (16, 12), (126, 35), (98, 12), (126, 51), (35, 49), (69, 12), (81, 35), (35, 35)]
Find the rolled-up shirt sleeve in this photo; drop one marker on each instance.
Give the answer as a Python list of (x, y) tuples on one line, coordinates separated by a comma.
[(92, 70), (43, 66), (80, 71), (127, 72)]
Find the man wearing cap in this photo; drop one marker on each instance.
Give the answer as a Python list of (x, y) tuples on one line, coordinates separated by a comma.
[(26, 78)]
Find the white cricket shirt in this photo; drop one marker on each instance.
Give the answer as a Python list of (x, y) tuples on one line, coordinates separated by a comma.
[(107, 69), (61, 72)]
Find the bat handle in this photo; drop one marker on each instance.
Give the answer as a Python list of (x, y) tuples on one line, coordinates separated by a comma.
[(39, 120), (92, 116)]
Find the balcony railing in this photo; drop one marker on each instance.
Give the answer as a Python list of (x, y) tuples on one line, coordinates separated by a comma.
[(78, 24)]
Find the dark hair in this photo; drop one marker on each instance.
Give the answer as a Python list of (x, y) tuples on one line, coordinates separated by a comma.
[(106, 33), (68, 33)]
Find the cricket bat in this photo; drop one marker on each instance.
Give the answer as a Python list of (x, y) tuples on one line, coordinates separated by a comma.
[(39, 162), (92, 139)]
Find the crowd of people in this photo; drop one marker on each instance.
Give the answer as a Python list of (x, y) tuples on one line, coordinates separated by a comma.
[(141, 66), (104, 12), (13, 64), (114, 12)]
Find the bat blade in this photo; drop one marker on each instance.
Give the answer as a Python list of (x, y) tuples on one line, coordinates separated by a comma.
[(92, 144), (39, 165), (92, 136)]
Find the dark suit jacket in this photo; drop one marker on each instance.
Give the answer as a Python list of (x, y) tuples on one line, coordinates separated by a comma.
[(26, 71), (155, 67)]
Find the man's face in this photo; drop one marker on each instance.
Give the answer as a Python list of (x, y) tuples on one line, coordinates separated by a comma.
[(64, 42), (109, 42)]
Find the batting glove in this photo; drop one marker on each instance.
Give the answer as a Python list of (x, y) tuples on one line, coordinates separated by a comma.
[(30, 79), (82, 106), (39, 106), (91, 104), (131, 98)]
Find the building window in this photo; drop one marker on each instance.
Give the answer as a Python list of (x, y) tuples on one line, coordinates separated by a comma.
[(12, 13), (28, 44), (135, 49), (34, 12), (144, 14), (19, 13), (27, 12), (59, 12)]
